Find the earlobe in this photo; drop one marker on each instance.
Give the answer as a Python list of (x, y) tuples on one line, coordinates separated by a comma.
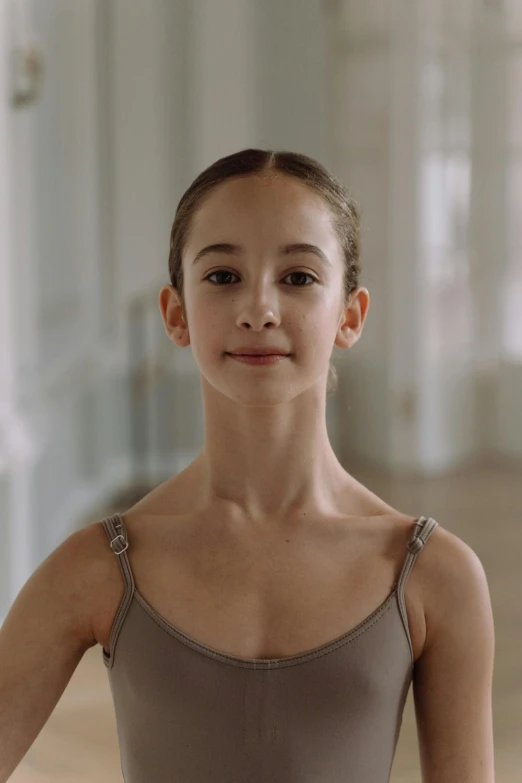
[(344, 337), (177, 328), (179, 338)]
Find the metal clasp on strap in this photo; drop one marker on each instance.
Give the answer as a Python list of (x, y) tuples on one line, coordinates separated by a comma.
[(124, 548), (415, 544)]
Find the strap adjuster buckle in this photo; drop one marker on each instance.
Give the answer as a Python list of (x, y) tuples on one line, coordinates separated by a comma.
[(120, 535), (415, 544)]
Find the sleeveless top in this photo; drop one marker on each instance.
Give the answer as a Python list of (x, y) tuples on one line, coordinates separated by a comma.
[(188, 713)]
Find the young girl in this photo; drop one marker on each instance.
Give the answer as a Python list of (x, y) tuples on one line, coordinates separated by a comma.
[(258, 617)]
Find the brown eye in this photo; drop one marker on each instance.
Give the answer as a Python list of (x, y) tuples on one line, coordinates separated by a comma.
[(302, 274), (219, 272)]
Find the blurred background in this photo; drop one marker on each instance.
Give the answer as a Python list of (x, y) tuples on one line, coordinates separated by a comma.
[(109, 109)]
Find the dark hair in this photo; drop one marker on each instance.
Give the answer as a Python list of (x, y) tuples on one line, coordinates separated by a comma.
[(344, 209)]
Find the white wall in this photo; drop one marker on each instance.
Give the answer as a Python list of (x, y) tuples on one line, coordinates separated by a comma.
[(291, 78), (418, 108), (97, 165)]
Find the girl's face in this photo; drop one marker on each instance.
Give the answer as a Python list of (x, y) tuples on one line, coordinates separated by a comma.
[(253, 290)]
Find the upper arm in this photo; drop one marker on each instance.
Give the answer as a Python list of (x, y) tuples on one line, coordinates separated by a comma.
[(43, 638), (452, 681)]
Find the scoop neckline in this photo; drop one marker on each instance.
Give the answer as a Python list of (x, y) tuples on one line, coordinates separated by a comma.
[(265, 663)]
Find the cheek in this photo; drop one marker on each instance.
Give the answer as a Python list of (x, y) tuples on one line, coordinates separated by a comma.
[(318, 322), (209, 329)]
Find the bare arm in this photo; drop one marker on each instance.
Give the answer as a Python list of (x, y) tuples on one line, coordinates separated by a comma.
[(453, 677), (42, 640)]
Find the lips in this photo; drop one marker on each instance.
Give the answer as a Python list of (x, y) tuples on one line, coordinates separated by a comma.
[(251, 351), (259, 359)]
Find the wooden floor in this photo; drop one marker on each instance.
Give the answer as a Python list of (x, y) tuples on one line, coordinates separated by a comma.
[(483, 506)]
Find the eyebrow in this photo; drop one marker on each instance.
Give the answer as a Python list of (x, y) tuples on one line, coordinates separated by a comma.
[(296, 248)]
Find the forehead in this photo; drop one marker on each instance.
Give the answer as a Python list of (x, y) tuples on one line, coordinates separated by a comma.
[(266, 205)]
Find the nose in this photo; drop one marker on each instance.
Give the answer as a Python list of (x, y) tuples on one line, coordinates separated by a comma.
[(256, 314)]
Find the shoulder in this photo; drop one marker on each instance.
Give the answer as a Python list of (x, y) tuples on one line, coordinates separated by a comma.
[(104, 586), (84, 555), (97, 551), (447, 569), (454, 582), (452, 683), (105, 577), (69, 580)]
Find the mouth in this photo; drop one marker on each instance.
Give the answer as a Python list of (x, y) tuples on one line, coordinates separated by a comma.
[(259, 359)]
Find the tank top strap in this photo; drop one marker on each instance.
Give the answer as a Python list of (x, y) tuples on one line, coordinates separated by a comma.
[(116, 531), (422, 530)]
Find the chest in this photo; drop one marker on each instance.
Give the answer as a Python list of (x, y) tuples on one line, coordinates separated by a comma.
[(270, 598)]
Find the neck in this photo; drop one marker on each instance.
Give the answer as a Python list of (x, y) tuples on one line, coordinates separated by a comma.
[(269, 463)]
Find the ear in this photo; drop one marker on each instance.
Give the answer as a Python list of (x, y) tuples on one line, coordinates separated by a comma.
[(352, 318), (171, 310)]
